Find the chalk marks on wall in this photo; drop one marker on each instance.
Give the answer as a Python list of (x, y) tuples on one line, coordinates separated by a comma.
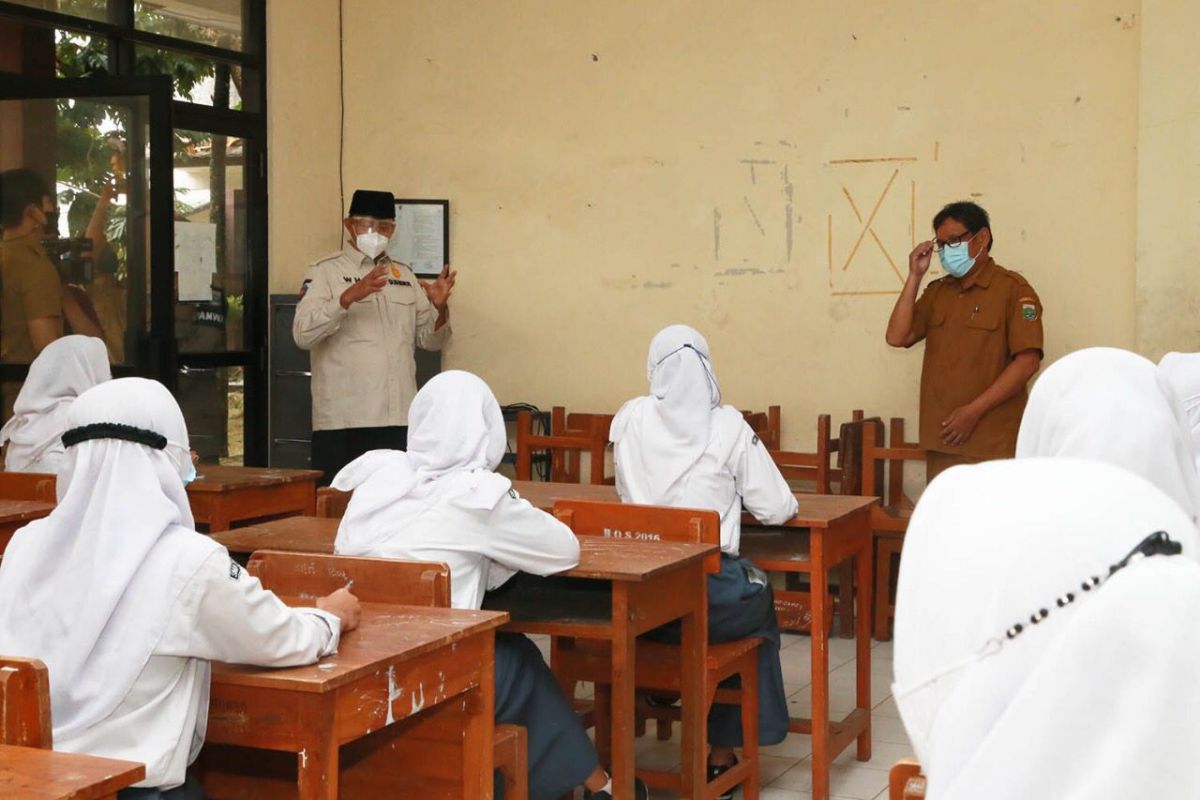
[(864, 256), (870, 221), (763, 219)]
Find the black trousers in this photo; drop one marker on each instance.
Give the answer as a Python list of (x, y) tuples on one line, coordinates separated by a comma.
[(332, 450)]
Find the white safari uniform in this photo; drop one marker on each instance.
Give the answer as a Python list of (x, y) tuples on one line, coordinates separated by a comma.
[(364, 373)]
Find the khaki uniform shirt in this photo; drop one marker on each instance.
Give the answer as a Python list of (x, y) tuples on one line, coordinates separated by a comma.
[(29, 289), (364, 373), (973, 328)]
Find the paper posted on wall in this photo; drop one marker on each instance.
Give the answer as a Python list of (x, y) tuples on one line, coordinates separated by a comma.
[(419, 240), (195, 260)]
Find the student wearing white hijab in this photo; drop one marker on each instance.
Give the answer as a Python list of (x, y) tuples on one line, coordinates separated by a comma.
[(65, 369), (443, 501), (1182, 371), (1026, 667), (678, 446), (1114, 406), (127, 604)]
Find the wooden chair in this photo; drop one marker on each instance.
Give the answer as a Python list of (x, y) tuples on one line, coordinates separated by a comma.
[(657, 664), (331, 503), (25, 703), (766, 425), (825, 473), (565, 465), (889, 519), (307, 576), (905, 781), (37, 486), (558, 445)]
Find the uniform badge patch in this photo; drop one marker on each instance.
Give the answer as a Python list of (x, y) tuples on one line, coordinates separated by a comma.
[(1029, 312), (235, 571), (395, 271)]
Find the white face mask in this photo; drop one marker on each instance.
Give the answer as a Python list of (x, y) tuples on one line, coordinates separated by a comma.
[(371, 244)]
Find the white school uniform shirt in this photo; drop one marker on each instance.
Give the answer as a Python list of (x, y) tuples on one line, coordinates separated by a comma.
[(364, 370), (484, 548), (442, 500), (678, 446), (734, 472), (125, 603), (222, 614)]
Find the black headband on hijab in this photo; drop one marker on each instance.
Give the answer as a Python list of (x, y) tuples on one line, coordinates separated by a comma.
[(114, 430)]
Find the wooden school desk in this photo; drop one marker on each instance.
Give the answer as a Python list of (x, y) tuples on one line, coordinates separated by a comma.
[(293, 534), (620, 590), (222, 496), (15, 514), (400, 661), (28, 486), (827, 531), (31, 773)]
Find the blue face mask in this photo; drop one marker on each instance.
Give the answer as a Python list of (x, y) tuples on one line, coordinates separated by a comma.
[(191, 474), (956, 259)]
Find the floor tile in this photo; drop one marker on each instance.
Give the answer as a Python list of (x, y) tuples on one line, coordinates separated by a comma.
[(857, 782)]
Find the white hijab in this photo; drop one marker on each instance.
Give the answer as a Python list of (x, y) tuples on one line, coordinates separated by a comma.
[(1114, 406), (456, 439), (1101, 698), (661, 436), (1182, 371), (90, 588), (65, 369)]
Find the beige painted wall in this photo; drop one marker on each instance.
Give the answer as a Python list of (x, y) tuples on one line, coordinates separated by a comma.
[(1168, 245), (303, 126), (595, 153)]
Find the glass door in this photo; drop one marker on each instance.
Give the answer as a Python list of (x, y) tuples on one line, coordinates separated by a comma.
[(103, 150)]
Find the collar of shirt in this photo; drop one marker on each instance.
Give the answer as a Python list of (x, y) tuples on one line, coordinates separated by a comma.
[(980, 276)]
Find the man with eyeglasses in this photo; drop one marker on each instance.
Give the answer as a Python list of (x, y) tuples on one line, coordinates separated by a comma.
[(983, 329), (361, 315)]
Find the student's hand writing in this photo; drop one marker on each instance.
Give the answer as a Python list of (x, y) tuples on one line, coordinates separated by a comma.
[(344, 606), (360, 290)]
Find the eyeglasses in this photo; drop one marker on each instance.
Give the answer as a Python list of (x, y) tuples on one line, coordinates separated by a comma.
[(965, 236), (371, 225)]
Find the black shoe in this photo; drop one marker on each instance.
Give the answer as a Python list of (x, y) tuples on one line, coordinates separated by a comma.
[(662, 700), (715, 772), (640, 792)]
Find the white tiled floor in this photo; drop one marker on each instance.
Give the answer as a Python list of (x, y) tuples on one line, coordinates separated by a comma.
[(785, 768)]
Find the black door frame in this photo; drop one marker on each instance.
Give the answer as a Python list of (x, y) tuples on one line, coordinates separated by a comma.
[(168, 114), (155, 355)]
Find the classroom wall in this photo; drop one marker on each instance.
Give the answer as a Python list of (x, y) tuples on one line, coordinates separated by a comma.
[(1168, 246), (617, 166), (304, 207)]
